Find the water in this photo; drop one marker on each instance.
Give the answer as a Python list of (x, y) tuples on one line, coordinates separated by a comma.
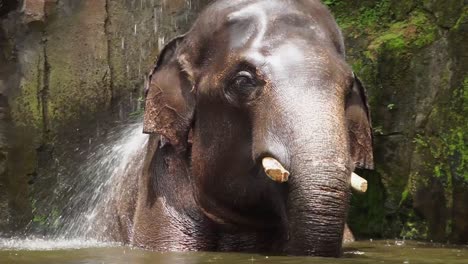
[(102, 174), (358, 252), (103, 182)]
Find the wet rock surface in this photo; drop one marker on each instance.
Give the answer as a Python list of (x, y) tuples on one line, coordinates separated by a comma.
[(412, 57)]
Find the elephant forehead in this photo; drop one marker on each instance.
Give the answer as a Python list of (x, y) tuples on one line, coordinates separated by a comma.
[(272, 32), (249, 25), (284, 58), (302, 63), (263, 24), (278, 37)]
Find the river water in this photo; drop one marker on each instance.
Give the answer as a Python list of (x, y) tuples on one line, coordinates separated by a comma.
[(75, 251)]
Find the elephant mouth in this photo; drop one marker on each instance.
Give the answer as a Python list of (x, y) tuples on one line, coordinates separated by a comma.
[(276, 172)]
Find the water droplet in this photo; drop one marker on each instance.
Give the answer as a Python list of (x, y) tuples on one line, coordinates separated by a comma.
[(161, 42), (399, 242), (155, 23)]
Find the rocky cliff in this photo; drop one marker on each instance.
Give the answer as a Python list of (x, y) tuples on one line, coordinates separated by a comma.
[(413, 57)]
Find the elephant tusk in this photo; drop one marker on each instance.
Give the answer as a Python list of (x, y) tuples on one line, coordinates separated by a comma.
[(274, 170), (358, 183)]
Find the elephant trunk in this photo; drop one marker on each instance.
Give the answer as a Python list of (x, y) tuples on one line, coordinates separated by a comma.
[(318, 193), (319, 186), (308, 134), (317, 207)]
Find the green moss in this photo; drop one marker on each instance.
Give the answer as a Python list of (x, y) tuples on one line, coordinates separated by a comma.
[(447, 147), (367, 18), (414, 227), (376, 22), (404, 36), (26, 107), (426, 31), (462, 20), (392, 41)]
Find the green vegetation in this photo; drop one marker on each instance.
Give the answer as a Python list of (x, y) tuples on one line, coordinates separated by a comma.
[(448, 148), (405, 36), (376, 21), (44, 220)]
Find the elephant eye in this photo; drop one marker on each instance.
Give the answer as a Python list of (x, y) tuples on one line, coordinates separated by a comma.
[(244, 86), (243, 80)]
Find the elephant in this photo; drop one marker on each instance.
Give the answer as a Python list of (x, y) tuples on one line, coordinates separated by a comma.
[(252, 81)]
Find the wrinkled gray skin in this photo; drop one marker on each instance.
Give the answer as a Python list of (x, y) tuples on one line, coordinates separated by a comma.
[(251, 79)]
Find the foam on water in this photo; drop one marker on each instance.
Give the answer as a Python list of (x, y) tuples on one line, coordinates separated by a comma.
[(40, 244)]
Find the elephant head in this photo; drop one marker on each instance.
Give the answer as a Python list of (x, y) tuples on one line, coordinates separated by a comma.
[(265, 79)]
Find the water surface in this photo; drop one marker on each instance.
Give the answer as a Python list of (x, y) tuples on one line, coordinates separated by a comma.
[(75, 251)]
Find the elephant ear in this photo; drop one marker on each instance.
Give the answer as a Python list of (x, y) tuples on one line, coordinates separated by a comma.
[(359, 126), (170, 102)]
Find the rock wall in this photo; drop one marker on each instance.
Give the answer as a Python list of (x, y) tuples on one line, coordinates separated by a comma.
[(68, 68), (413, 58)]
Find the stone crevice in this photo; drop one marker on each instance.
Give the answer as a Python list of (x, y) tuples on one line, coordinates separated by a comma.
[(107, 32), (6, 6), (391, 134), (44, 92)]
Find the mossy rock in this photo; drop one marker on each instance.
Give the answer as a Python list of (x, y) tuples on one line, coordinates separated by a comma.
[(26, 105), (446, 12), (78, 72), (411, 64), (405, 36)]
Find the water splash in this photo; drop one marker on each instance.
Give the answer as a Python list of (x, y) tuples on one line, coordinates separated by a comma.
[(103, 176), (107, 176)]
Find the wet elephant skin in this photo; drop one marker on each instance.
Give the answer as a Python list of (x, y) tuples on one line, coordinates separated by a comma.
[(251, 79)]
